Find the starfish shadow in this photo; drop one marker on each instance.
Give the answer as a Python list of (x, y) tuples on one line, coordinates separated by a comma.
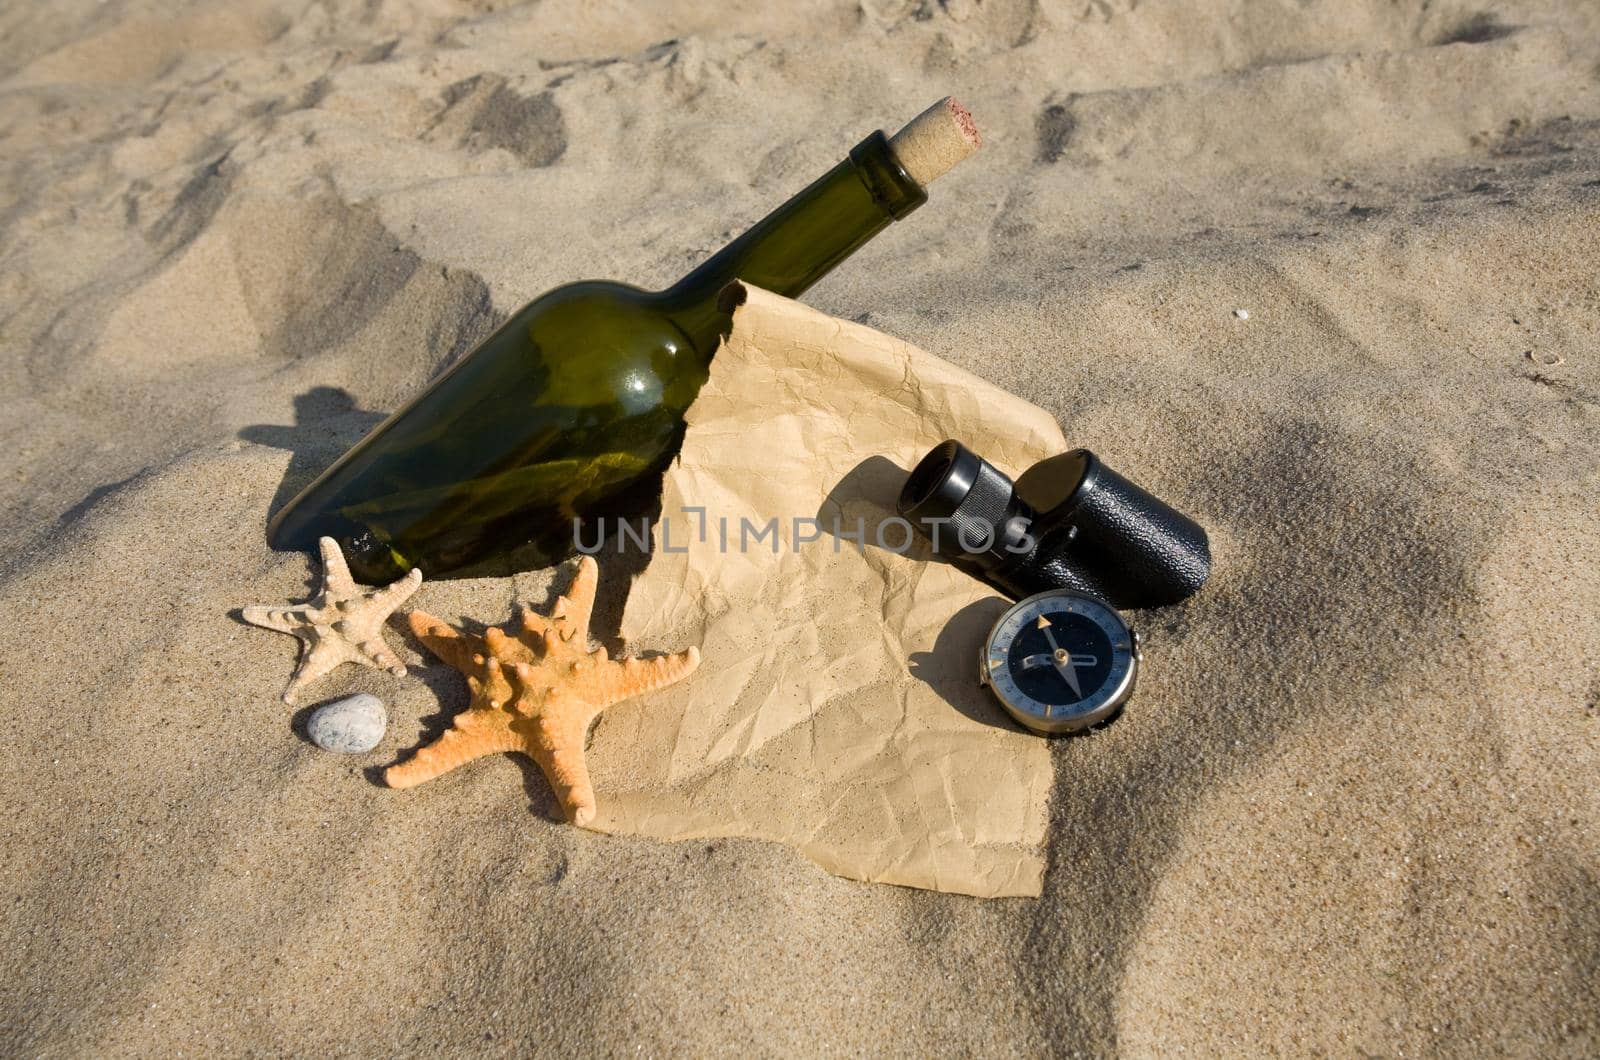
[(449, 690), (541, 797)]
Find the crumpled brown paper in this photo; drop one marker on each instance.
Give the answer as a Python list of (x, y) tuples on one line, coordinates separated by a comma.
[(837, 707)]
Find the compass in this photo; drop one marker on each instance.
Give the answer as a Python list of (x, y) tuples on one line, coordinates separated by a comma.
[(1060, 661)]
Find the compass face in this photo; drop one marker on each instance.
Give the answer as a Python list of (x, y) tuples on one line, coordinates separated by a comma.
[(1059, 662)]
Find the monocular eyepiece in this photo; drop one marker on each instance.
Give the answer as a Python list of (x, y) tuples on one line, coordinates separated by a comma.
[(940, 483), (965, 506)]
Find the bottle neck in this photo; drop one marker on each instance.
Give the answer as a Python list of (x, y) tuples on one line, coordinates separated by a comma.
[(801, 241)]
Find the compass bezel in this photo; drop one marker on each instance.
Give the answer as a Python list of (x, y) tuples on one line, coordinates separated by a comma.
[(994, 669)]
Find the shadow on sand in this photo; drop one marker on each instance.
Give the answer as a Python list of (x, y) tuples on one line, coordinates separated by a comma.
[(326, 423), (860, 511)]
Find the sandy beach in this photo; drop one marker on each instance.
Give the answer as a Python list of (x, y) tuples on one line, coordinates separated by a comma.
[(1325, 276)]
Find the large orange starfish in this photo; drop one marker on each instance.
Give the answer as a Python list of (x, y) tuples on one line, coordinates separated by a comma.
[(535, 690)]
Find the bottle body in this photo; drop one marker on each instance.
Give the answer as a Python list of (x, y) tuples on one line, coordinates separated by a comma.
[(575, 400)]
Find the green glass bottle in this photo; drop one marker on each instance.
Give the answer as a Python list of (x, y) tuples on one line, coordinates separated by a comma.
[(579, 398)]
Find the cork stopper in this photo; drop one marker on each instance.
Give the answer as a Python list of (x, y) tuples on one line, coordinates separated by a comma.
[(934, 141)]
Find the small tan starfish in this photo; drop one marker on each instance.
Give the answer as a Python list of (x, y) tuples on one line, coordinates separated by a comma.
[(342, 623), (535, 690)]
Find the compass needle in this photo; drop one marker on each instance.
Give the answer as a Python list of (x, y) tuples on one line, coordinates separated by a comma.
[(1062, 660), (1070, 676)]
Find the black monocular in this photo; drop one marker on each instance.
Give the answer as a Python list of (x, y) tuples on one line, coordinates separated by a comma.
[(1068, 522)]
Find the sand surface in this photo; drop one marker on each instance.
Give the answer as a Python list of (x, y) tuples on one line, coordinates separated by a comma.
[(1322, 274)]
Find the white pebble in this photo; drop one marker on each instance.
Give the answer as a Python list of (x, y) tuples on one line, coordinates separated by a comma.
[(1242, 314), (353, 725)]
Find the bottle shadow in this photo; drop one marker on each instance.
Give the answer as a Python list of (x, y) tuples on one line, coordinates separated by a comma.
[(326, 423)]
